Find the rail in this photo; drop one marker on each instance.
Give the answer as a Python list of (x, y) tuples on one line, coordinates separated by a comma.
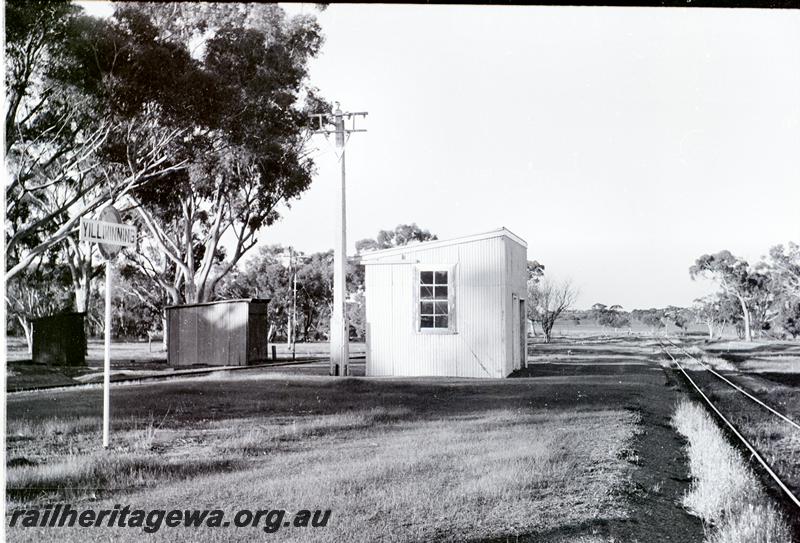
[(730, 425)]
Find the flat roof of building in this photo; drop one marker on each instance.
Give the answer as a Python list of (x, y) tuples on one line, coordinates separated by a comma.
[(500, 232)]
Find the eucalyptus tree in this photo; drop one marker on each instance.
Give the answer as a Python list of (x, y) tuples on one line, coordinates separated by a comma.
[(403, 234), (737, 279), (784, 267), (92, 116), (39, 291), (248, 154), (785, 264), (612, 317), (654, 318), (52, 131)]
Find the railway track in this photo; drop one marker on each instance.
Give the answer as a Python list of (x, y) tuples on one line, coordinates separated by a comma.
[(791, 496)]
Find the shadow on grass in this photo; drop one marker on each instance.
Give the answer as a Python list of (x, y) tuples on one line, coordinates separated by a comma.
[(786, 379), (263, 439), (101, 474), (182, 404), (746, 351)]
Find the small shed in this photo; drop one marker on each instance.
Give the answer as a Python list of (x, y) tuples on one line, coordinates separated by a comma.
[(224, 333), (59, 340), (447, 307)]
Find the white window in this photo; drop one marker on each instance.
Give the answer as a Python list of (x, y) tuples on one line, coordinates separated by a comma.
[(435, 297)]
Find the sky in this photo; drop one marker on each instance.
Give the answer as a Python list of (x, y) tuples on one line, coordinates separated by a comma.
[(620, 143)]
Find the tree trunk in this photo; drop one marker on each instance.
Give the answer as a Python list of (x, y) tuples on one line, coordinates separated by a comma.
[(547, 329), (191, 292), (748, 334), (80, 298), (27, 328), (164, 331), (175, 297), (307, 323), (82, 292)]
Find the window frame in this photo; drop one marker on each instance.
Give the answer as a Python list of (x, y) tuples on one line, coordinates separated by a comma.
[(451, 298)]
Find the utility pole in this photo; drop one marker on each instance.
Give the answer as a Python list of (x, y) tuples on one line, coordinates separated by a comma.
[(294, 305), (340, 329), (289, 321)]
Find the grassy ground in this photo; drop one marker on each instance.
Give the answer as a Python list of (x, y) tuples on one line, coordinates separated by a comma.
[(569, 328), (775, 361), (576, 448), (770, 370), (725, 493)]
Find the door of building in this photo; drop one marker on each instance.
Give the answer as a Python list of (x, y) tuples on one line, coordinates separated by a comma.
[(519, 332)]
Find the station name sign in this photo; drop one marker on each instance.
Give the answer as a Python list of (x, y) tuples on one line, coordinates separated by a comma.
[(108, 232)]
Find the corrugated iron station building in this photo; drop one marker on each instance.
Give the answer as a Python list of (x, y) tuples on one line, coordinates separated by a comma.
[(224, 333), (447, 307)]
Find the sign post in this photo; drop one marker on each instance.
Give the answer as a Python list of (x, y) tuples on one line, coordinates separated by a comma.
[(107, 359), (111, 236)]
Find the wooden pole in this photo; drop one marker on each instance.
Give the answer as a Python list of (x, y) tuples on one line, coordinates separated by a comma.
[(340, 348), (294, 307), (340, 329)]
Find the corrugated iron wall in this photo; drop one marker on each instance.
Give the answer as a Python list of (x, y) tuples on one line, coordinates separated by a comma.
[(213, 334), (258, 328), (516, 287), (479, 346)]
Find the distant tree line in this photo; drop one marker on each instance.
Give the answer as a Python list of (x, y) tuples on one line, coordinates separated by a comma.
[(755, 300)]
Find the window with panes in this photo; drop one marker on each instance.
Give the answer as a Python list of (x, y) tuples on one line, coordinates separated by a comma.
[(434, 306)]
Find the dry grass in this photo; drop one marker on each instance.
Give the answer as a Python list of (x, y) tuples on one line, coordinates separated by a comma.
[(263, 438), (555, 457), (778, 443), (383, 470), (80, 476), (504, 471), (716, 363), (689, 363), (695, 350), (725, 493), (719, 364), (26, 428), (753, 524)]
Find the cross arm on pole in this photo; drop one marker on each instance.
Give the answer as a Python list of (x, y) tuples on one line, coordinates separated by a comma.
[(336, 123), (322, 119)]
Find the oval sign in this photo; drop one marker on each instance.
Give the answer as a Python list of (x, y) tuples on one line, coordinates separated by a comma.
[(110, 214)]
